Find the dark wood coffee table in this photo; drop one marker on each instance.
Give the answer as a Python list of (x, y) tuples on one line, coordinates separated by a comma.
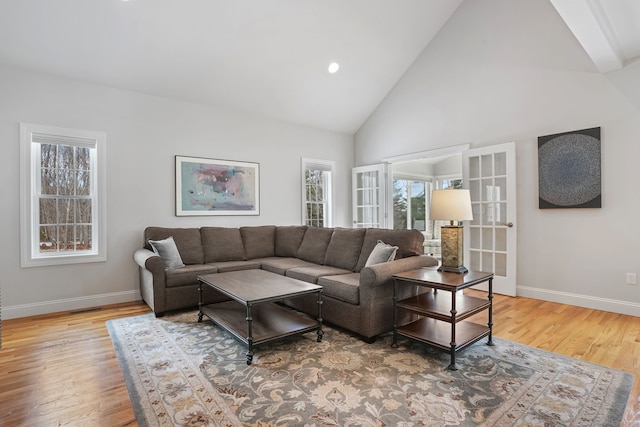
[(253, 316)]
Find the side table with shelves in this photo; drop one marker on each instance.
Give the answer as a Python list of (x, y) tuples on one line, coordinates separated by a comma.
[(442, 311)]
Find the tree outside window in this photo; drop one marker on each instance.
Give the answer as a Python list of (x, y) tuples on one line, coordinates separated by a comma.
[(409, 204), (65, 199)]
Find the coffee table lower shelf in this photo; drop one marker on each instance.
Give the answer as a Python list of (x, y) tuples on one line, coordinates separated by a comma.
[(438, 333), (271, 321)]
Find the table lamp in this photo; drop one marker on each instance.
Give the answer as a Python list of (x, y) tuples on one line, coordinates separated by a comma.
[(451, 205)]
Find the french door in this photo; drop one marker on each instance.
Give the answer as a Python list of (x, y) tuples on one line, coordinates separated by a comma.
[(370, 196), (490, 238)]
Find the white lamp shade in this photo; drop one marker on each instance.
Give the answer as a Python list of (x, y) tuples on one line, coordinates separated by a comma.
[(451, 205)]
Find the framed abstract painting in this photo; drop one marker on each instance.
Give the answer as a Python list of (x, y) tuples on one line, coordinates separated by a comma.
[(216, 187), (569, 174)]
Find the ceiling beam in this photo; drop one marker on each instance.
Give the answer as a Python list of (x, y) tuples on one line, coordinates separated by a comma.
[(588, 22)]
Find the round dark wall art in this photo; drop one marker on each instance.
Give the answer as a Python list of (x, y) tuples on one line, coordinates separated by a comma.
[(569, 170)]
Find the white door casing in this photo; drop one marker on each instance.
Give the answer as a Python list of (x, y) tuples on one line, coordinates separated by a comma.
[(490, 238)]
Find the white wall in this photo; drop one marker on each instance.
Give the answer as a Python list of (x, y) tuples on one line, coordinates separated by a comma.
[(144, 133), (501, 71), (413, 169), (449, 167)]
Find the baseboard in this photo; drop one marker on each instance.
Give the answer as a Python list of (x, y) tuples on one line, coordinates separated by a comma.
[(67, 304), (605, 304), (34, 309)]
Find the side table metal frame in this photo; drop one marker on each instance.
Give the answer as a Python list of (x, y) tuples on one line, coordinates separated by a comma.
[(453, 317)]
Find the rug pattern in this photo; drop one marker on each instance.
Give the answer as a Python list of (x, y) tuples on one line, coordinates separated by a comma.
[(181, 372)]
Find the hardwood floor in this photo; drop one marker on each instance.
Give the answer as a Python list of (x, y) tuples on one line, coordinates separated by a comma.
[(61, 369)]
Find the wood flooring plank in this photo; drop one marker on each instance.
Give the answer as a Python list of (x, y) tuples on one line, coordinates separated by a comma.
[(61, 369)]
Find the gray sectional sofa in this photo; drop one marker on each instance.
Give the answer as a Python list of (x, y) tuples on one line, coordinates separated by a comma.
[(356, 296)]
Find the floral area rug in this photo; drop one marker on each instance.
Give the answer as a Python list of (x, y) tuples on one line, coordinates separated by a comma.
[(184, 373)]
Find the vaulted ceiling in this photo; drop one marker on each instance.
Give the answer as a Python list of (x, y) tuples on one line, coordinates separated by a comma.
[(268, 57)]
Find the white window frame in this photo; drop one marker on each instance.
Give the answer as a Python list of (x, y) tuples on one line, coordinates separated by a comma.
[(327, 166), (30, 164)]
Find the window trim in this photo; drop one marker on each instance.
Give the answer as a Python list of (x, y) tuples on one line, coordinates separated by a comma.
[(28, 194), (329, 165)]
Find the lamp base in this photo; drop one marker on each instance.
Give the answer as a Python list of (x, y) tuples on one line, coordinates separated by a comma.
[(452, 249), (460, 269)]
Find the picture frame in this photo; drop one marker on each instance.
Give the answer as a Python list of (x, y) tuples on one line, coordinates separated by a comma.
[(216, 187), (569, 170)]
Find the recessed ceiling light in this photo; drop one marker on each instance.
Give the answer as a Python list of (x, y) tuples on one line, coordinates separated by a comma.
[(333, 67)]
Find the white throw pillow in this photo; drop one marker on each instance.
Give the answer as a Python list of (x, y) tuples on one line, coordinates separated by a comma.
[(168, 251), (382, 252)]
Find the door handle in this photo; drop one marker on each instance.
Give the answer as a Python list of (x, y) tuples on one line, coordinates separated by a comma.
[(508, 224)]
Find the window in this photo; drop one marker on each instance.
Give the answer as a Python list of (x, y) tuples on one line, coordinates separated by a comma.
[(317, 192), (63, 193), (410, 204), (443, 184)]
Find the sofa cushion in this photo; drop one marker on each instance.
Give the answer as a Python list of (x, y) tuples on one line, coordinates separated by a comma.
[(259, 242), (168, 251), (409, 243), (314, 244), (345, 287), (288, 240), (188, 275), (381, 253), (187, 241), (344, 248), (313, 273), (224, 266), (280, 265), (222, 244)]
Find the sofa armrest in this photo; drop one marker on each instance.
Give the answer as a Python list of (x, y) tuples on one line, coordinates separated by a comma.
[(149, 260), (379, 274), (152, 279)]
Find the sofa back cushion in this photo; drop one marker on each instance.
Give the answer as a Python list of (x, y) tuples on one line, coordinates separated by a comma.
[(222, 244), (409, 243), (288, 239), (187, 241), (259, 242), (314, 244), (344, 248)]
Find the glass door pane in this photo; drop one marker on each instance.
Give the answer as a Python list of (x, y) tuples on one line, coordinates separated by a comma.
[(490, 238), (368, 196)]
